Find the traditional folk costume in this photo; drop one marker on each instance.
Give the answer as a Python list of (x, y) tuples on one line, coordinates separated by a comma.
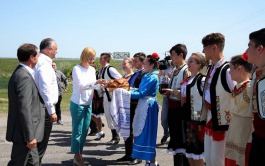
[(216, 111), (108, 73), (257, 152), (176, 121), (146, 118), (97, 102), (240, 128), (191, 91), (134, 82), (122, 110)]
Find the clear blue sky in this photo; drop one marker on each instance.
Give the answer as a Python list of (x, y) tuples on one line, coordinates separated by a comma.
[(129, 26)]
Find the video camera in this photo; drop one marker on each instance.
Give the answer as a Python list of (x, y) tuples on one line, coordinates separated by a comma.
[(165, 63)]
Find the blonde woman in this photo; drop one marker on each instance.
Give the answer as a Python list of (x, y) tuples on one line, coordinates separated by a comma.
[(191, 93), (81, 99), (127, 66)]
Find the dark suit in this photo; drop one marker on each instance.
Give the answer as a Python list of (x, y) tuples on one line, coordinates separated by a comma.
[(25, 117), (135, 84)]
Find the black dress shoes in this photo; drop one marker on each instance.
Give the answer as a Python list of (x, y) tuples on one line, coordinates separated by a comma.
[(164, 139), (59, 122), (113, 141), (125, 158), (148, 164), (92, 133), (134, 162)]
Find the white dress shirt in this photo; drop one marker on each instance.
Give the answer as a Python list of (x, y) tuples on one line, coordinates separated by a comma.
[(112, 71), (46, 81), (84, 80), (231, 84)]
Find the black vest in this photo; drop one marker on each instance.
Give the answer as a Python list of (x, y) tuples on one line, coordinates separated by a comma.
[(137, 84)]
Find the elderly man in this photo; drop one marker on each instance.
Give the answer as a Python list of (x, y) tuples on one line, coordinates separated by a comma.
[(46, 81)]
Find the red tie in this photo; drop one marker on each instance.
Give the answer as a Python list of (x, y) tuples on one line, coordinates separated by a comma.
[(211, 69)]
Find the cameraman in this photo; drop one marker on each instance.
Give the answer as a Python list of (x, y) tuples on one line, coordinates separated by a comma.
[(165, 69)]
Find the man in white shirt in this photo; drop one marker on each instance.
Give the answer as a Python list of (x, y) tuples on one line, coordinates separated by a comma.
[(46, 81)]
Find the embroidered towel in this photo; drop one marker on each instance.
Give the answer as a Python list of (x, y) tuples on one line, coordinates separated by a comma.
[(120, 111)]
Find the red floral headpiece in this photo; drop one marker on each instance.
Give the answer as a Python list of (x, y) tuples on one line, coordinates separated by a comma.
[(155, 55), (244, 56)]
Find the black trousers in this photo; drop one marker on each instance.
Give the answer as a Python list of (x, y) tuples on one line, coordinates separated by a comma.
[(180, 160), (21, 155), (42, 146), (58, 108), (93, 126), (129, 140), (257, 151)]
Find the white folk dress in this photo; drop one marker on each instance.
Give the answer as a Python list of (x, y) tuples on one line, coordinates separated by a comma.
[(240, 128)]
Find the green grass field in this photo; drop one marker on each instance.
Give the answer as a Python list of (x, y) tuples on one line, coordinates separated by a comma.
[(7, 65)]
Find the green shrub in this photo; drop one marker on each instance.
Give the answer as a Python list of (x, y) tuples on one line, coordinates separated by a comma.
[(8, 65)]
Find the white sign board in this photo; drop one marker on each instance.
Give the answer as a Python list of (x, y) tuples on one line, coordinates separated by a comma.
[(120, 55)]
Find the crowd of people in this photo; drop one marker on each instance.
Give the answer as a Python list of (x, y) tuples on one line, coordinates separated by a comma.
[(213, 118)]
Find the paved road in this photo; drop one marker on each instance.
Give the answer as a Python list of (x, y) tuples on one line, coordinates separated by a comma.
[(96, 153)]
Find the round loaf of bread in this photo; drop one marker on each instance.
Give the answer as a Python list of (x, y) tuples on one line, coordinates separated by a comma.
[(118, 83)]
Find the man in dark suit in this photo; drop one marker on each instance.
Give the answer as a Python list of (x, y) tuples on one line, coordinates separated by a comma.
[(134, 81), (25, 123)]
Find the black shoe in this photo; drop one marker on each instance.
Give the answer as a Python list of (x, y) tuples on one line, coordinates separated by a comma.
[(59, 122), (180, 159), (113, 141), (100, 136), (134, 162), (147, 163), (164, 140), (93, 133), (125, 158)]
